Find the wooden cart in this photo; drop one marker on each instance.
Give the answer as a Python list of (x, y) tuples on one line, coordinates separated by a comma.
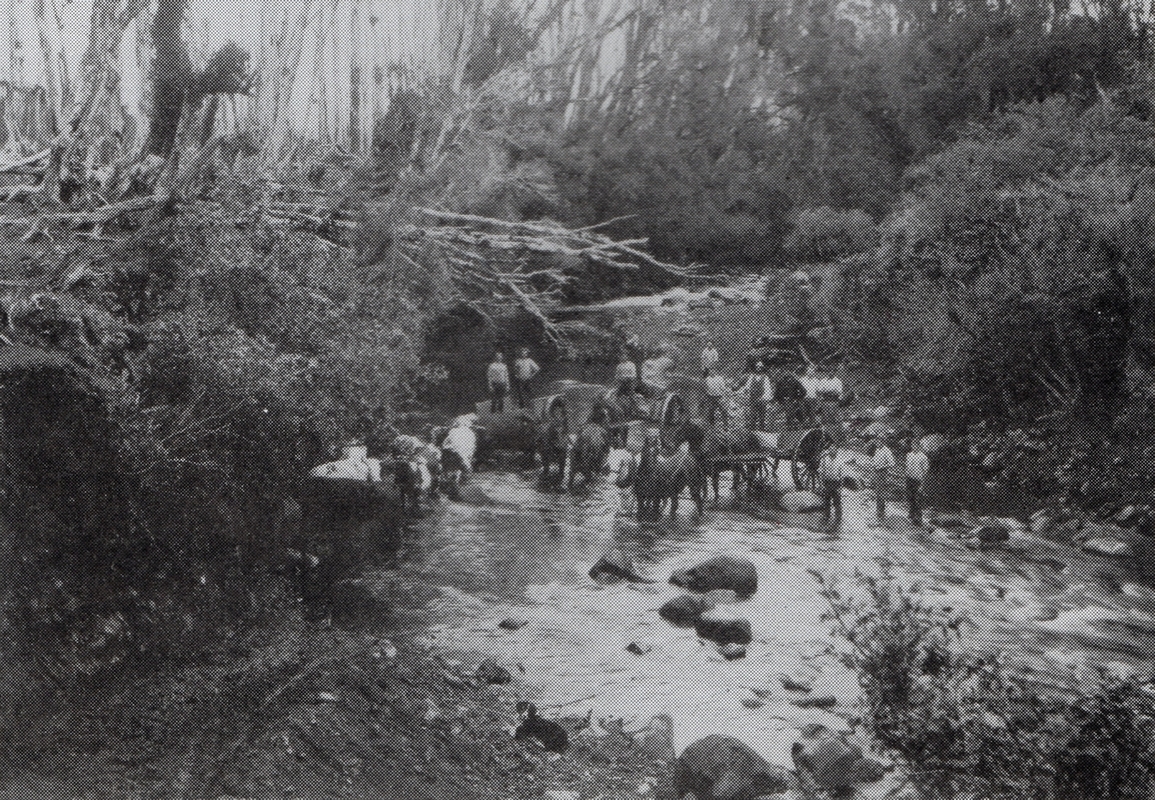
[(802, 447)]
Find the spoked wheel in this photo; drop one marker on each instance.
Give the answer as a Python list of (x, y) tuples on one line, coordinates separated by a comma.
[(804, 463)]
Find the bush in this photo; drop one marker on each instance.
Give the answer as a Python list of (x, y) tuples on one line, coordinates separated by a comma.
[(965, 727), (825, 233)]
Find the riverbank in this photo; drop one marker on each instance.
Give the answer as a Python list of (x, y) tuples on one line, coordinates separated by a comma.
[(310, 711)]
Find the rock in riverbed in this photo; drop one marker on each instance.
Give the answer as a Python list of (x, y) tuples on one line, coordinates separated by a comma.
[(724, 628), (723, 572), (685, 610), (1108, 546), (833, 761), (616, 566), (800, 502), (989, 534), (723, 768), (732, 651), (489, 671)]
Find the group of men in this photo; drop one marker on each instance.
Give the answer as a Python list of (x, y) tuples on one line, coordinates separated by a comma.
[(884, 470), (499, 379)]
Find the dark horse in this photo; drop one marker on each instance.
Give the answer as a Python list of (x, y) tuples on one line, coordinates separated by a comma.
[(662, 475), (590, 449), (414, 479), (553, 446)]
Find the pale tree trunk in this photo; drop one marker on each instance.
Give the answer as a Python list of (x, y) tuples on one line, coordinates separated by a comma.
[(355, 91)]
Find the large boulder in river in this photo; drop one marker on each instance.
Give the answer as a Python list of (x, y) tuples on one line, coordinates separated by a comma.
[(723, 768), (989, 534), (723, 628), (723, 572), (685, 610), (834, 762), (800, 501), (616, 566), (1108, 546)]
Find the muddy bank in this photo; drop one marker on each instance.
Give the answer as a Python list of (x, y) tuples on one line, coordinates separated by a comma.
[(306, 711)]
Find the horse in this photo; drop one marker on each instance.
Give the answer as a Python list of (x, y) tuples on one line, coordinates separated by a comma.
[(588, 452), (661, 476), (458, 447), (414, 478), (721, 444), (553, 443)]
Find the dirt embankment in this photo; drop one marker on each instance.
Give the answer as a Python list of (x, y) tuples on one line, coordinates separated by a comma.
[(306, 711)]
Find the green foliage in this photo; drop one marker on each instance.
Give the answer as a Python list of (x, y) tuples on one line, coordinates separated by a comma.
[(965, 727)]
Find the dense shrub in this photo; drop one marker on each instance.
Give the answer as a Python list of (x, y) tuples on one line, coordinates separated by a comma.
[(965, 727), (826, 233), (1010, 276)]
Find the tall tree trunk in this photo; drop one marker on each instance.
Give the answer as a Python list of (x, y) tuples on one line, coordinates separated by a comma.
[(355, 76)]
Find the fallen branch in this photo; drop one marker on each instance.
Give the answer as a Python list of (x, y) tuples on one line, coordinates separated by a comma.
[(21, 164)]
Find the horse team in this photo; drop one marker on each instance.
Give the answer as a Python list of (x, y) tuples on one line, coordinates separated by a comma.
[(671, 459)]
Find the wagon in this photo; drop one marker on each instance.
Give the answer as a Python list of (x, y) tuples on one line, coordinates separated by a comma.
[(801, 447)]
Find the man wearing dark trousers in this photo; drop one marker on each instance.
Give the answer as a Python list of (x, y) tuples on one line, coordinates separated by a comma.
[(917, 468), (525, 369), (497, 376), (830, 475)]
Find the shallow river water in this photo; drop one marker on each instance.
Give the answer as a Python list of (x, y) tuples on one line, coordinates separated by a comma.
[(1057, 613)]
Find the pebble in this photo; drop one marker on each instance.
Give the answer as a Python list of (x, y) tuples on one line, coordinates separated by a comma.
[(732, 651)]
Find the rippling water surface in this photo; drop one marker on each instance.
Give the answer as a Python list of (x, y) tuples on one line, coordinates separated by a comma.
[(1055, 611)]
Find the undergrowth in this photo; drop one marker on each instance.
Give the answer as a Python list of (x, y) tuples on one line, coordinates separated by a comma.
[(966, 726)]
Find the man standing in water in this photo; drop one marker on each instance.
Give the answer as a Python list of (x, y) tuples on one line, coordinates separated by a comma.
[(757, 390), (917, 468), (497, 376), (715, 398), (710, 359), (830, 475), (626, 374), (882, 464), (525, 369)]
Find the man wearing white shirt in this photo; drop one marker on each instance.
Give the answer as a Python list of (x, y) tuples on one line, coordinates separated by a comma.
[(882, 466), (710, 359), (811, 381), (622, 464), (757, 389), (626, 374), (497, 376), (524, 370), (715, 397), (830, 476), (917, 468)]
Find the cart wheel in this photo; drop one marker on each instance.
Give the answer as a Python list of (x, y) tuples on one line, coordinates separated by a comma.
[(804, 464)]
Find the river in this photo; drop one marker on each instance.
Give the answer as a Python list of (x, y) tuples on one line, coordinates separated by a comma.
[(1057, 613)]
